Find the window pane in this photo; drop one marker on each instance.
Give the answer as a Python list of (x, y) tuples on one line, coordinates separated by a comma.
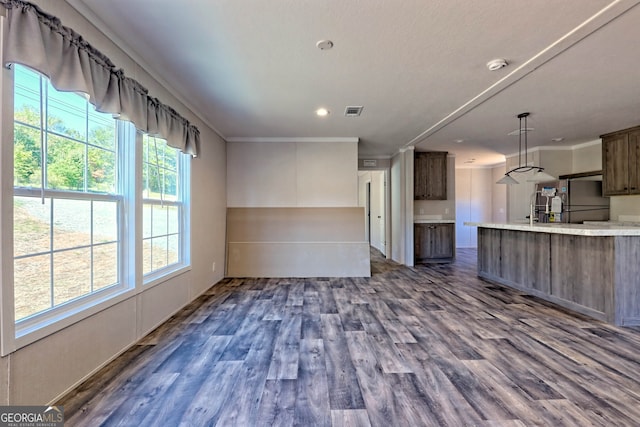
[(102, 170), (146, 221), (170, 185), (154, 182), (159, 258), (26, 156), (170, 157), (105, 265), (31, 284), (173, 219), (105, 222), (65, 164), (102, 129), (71, 274), (67, 113), (146, 256), (173, 249), (31, 225), (26, 97), (159, 223), (71, 223)]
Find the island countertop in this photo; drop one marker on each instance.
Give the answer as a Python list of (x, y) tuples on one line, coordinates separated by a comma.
[(600, 229)]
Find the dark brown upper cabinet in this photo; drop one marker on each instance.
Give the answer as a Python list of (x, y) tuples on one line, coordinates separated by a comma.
[(430, 176), (621, 162)]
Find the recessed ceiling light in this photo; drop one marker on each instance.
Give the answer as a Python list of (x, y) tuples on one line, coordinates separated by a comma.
[(324, 44), (496, 64), (557, 139), (459, 141), (322, 112)]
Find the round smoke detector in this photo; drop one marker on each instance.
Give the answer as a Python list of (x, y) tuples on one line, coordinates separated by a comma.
[(324, 44), (496, 64)]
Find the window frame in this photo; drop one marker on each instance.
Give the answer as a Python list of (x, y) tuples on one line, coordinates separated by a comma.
[(131, 281), (183, 203)]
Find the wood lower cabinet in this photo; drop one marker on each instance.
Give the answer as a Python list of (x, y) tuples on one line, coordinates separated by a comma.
[(621, 162), (434, 242), (430, 176)]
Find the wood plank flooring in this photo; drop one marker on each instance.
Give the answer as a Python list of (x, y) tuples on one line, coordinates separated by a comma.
[(425, 346)]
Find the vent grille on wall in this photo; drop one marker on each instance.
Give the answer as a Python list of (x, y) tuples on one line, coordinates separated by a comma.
[(353, 111)]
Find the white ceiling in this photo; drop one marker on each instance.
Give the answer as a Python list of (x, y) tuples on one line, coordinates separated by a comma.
[(251, 70)]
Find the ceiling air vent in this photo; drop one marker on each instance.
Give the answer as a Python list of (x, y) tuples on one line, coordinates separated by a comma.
[(353, 111)]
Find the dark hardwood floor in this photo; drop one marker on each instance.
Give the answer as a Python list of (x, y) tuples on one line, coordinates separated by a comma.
[(431, 345)]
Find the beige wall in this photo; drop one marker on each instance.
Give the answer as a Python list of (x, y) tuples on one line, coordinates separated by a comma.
[(42, 371), (297, 242), (294, 193)]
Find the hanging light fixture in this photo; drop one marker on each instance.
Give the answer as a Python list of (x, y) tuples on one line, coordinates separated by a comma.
[(539, 173)]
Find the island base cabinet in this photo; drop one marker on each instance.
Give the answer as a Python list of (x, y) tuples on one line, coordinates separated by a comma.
[(627, 279), (582, 272), (525, 259), (598, 276), (518, 259)]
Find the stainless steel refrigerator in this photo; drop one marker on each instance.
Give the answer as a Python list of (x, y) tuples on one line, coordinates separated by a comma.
[(571, 201)]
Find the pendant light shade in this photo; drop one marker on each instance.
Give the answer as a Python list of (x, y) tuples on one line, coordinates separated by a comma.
[(539, 174), (507, 179)]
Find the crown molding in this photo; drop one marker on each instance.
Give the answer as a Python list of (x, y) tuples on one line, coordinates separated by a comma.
[(292, 139)]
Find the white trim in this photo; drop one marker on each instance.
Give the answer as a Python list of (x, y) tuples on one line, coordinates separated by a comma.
[(470, 166), (374, 157), (7, 321), (292, 139), (558, 148), (587, 144)]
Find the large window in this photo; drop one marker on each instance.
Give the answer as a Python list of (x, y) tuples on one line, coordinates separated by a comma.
[(74, 203), (163, 207), (66, 199)]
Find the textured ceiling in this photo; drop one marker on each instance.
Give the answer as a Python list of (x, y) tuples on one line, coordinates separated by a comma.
[(250, 68)]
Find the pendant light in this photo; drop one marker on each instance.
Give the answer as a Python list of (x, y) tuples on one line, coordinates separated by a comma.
[(539, 174)]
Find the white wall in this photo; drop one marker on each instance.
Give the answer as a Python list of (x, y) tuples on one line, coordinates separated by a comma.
[(587, 157), (474, 202), (364, 178), (288, 174), (39, 373), (398, 208), (498, 195)]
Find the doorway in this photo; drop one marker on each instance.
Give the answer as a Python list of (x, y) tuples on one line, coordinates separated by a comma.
[(374, 198)]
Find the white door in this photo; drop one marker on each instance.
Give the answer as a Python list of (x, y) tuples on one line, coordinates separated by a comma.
[(377, 209)]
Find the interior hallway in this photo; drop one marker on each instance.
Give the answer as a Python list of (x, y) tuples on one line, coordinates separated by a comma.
[(408, 346)]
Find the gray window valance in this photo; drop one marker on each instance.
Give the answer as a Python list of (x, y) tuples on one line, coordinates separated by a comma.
[(39, 41)]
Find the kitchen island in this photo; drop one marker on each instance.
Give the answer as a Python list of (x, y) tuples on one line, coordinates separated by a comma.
[(593, 269)]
